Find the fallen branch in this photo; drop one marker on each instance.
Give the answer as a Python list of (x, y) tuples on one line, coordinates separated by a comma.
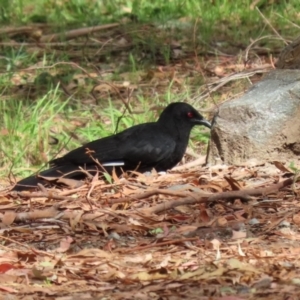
[(248, 193), (153, 193), (50, 212), (48, 195), (231, 195)]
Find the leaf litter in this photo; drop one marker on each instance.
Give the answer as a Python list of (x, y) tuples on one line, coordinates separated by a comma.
[(228, 230), (221, 232)]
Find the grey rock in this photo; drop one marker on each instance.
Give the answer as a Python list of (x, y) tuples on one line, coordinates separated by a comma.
[(253, 221), (285, 224), (264, 123)]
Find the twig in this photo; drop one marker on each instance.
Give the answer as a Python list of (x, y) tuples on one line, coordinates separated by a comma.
[(214, 86), (255, 41), (287, 20), (76, 32), (198, 162), (271, 26), (14, 241)]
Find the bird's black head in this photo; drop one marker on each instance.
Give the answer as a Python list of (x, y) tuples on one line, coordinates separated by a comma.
[(183, 113)]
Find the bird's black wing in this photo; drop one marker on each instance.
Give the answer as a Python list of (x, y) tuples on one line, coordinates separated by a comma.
[(103, 149), (144, 143), (148, 147)]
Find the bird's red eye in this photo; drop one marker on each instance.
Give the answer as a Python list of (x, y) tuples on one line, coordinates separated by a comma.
[(190, 115)]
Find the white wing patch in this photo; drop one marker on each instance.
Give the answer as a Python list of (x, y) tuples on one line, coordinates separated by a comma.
[(113, 164)]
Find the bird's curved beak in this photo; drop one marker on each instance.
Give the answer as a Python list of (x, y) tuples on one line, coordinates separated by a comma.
[(204, 123)]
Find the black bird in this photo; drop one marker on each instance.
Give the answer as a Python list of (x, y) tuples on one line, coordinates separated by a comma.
[(160, 145)]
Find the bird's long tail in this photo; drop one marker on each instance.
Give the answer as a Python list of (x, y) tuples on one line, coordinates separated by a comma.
[(55, 172)]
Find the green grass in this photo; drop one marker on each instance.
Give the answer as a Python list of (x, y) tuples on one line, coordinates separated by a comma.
[(34, 106), (235, 18)]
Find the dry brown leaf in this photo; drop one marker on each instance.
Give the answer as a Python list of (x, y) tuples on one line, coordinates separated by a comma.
[(65, 244), (281, 167), (8, 218)]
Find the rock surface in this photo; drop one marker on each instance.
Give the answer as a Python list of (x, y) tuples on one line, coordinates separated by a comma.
[(263, 124)]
